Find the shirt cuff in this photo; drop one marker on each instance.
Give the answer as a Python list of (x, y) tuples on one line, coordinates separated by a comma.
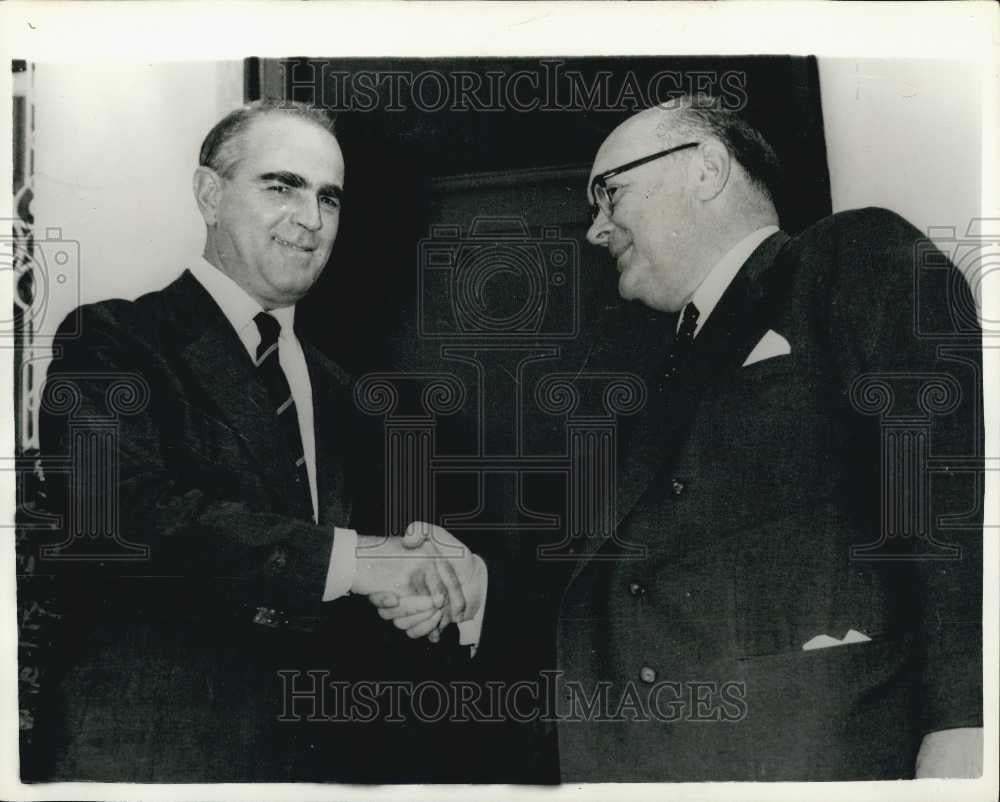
[(470, 631), (343, 564)]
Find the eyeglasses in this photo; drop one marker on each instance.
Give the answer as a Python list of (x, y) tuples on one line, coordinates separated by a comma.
[(603, 196)]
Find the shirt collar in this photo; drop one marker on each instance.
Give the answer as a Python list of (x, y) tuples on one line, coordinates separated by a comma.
[(711, 289), (238, 307)]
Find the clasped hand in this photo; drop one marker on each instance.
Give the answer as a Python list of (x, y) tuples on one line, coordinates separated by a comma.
[(421, 582)]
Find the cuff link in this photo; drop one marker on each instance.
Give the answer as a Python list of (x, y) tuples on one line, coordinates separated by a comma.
[(268, 617)]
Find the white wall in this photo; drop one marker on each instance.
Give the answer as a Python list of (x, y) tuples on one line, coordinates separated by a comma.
[(904, 134), (115, 149)]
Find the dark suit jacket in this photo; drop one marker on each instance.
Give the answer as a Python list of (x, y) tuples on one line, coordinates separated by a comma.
[(747, 487), (169, 668)]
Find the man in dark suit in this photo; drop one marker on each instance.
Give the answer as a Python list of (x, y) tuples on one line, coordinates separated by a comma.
[(759, 478), (787, 593), (231, 502)]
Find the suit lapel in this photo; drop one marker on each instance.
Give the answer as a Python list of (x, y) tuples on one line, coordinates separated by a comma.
[(656, 435), (331, 421), (741, 316), (222, 369)]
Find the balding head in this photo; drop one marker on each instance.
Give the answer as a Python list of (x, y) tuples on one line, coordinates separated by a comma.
[(640, 135), (672, 217)]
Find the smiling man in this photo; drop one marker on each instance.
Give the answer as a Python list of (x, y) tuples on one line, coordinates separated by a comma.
[(800, 597), (238, 471), (661, 241), (795, 611), (271, 201)]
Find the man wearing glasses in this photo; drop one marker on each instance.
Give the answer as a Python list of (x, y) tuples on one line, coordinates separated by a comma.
[(783, 597), (770, 631)]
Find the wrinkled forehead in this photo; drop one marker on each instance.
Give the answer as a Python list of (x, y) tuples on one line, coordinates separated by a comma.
[(286, 142)]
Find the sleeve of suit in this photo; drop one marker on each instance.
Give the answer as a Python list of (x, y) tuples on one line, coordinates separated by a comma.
[(198, 524), (885, 319)]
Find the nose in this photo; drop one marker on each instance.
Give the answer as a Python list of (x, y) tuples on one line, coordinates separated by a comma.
[(599, 230), (308, 215)]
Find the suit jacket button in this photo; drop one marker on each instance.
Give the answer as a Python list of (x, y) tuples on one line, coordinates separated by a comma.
[(636, 590), (677, 486), (647, 674), (279, 560)]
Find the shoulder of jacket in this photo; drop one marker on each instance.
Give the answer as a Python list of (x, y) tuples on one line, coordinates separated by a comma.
[(858, 224), (140, 318)]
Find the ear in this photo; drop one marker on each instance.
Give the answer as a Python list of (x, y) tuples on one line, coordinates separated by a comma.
[(713, 169), (207, 190)]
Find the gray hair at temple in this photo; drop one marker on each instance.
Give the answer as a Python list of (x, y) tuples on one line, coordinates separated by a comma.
[(221, 149), (703, 115)]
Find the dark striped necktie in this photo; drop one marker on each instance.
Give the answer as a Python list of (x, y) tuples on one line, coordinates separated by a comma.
[(683, 342), (280, 396)]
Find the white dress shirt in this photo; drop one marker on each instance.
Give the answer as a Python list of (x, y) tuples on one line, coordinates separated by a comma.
[(240, 310), (714, 285)]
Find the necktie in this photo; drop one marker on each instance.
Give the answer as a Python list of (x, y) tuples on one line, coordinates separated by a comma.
[(280, 396), (683, 342)]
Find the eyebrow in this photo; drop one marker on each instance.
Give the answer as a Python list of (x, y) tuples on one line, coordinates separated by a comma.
[(296, 181)]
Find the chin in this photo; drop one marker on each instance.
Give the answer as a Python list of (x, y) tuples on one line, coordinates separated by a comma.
[(649, 300), (630, 292), (625, 289), (286, 295)]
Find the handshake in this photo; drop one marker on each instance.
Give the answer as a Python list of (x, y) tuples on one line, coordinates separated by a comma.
[(421, 582)]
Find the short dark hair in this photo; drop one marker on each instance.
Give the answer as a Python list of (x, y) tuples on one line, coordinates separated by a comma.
[(704, 114), (220, 150)]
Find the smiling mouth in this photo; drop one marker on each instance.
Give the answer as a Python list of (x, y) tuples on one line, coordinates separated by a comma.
[(293, 246)]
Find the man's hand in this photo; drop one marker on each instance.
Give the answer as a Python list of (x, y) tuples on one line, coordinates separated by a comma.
[(951, 753), (400, 566), (456, 572)]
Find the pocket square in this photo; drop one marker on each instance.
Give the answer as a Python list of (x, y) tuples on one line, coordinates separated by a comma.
[(825, 641), (771, 345)]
